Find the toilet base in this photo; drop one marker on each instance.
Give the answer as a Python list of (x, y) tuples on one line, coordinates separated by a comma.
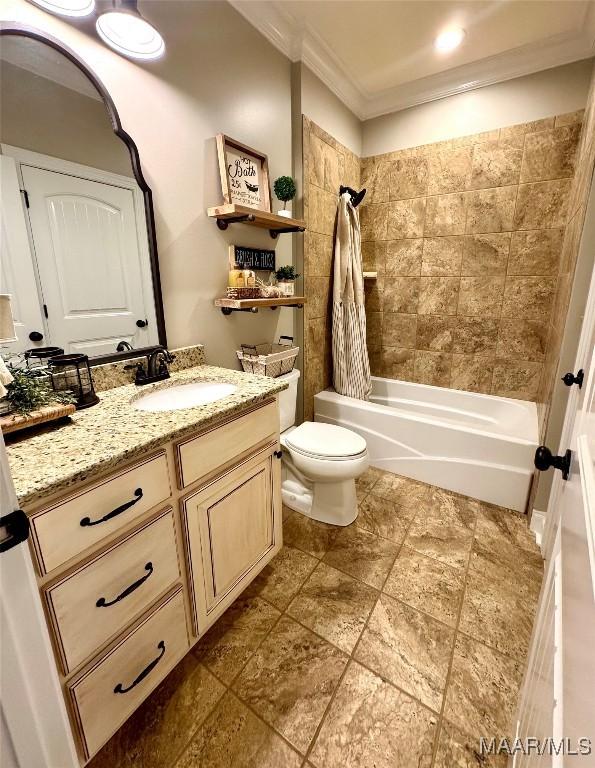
[(332, 503)]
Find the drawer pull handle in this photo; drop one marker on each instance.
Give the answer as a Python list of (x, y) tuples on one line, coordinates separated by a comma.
[(103, 603), (115, 512), (146, 671)]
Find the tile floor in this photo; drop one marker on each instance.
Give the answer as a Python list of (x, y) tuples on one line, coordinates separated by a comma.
[(397, 641)]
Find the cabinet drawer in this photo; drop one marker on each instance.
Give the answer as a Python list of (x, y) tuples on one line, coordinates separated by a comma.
[(200, 456), (101, 599), (69, 527), (111, 690)]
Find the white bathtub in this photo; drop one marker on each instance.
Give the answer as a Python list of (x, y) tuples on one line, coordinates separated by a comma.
[(478, 445)]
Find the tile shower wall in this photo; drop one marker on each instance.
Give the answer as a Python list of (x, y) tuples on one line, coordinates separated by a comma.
[(466, 236), (326, 165)]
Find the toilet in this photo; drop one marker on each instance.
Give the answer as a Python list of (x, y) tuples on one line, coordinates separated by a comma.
[(320, 463)]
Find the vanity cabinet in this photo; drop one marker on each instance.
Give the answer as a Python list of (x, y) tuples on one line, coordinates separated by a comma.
[(134, 567)]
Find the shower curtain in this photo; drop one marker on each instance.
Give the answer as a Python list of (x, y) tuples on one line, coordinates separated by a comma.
[(351, 365)]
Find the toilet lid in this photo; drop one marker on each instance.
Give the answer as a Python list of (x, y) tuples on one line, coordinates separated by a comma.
[(325, 440)]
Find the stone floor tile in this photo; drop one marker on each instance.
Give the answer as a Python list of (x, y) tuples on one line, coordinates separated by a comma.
[(309, 535), (402, 491), (458, 750), (362, 555), (451, 544), (281, 579), (380, 516), (452, 508)]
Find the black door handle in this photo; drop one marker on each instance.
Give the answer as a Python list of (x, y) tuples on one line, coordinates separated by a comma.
[(569, 378), (103, 603), (115, 512), (17, 528), (544, 459), (141, 323), (36, 336), (147, 670)]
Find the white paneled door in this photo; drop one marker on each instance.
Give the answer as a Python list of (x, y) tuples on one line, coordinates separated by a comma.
[(85, 239)]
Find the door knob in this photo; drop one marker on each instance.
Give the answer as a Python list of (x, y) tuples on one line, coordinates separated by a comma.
[(36, 336), (141, 323), (544, 459), (569, 378)]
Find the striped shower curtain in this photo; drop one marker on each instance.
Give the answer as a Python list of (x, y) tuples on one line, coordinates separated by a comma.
[(351, 366)]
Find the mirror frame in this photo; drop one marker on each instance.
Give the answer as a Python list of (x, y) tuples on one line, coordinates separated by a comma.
[(22, 30)]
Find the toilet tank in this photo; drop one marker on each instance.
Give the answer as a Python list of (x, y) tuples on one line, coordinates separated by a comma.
[(288, 399)]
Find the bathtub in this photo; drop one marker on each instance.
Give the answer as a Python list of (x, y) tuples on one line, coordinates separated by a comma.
[(478, 445)]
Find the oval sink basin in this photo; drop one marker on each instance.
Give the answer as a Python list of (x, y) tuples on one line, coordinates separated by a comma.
[(184, 396)]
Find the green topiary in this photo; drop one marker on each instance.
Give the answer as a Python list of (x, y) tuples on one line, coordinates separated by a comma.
[(28, 392), (286, 273), (285, 189)]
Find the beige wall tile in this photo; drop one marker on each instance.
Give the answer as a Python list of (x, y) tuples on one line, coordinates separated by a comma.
[(374, 329), (322, 208), (516, 379), (318, 293), (449, 170), (404, 257), (374, 294), (515, 134), (397, 363), (445, 215), (490, 210), (401, 294), (442, 256), (473, 373), (373, 218), (481, 296), (438, 295), (550, 154), (535, 252), (406, 218), (542, 205), (316, 161), (485, 254), (475, 335), (570, 117), (374, 255), (351, 171), (528, 297), (432, 368), (318, 254), (375, 175), (435, 332), (408, 177), (522, 339), (316, 339), (398, 330), (494, 165)]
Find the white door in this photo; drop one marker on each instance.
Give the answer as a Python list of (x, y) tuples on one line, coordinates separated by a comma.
[(86, 247), (17, 274), (558, 699), (34, 727)]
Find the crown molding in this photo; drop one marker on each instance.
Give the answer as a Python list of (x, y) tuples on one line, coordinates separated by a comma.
[(300, 43)]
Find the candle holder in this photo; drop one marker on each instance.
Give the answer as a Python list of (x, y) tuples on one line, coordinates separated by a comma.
[(71, 373)]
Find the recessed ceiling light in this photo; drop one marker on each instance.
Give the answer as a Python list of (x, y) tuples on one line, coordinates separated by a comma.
[(125, 30), (74, 8), (450, 39)]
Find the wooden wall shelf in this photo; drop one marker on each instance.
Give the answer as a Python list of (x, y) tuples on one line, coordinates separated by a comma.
[(227, 306), (231, 213)]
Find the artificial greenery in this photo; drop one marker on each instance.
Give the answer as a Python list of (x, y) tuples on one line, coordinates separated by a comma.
[(28, 392), (285, 189), (286, 273)]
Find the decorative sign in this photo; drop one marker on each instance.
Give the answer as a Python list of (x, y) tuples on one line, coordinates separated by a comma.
[(251, 258), (244, 174)]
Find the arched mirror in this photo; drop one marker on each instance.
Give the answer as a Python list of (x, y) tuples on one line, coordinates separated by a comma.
[(78, 251)]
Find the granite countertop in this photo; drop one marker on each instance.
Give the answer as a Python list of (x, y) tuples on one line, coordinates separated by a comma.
[(101, 438)]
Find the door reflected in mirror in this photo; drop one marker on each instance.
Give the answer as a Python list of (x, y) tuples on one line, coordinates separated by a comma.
[(75, 253)]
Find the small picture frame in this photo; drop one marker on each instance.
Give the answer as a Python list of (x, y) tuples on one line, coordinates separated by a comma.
[(244, 174)]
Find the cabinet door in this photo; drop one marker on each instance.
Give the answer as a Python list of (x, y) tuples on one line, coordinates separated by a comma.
[(234, 528)]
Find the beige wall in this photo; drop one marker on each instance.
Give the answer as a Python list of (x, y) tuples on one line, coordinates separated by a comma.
[(43, 116), (521, 100), (218, 75), (321, 105)]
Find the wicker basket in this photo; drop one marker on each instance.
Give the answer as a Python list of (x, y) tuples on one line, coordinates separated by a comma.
[(269, 359), (244, 293)]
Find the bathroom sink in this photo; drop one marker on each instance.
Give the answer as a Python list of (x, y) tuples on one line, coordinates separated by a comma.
[(184, 396)]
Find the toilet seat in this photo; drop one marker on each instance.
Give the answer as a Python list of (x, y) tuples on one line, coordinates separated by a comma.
[(318, 440)]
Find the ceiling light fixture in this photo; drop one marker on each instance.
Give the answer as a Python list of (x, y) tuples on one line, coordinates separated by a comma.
[(72, 8), (124, 29), (450, 39)]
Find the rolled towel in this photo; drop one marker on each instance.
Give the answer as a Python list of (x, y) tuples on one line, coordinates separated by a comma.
[(5, 378)]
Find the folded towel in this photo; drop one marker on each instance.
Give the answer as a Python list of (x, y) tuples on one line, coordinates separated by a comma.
[(5, 377)]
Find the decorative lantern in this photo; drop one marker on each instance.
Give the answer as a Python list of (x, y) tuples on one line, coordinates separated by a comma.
[(39, 356), (71, 373)]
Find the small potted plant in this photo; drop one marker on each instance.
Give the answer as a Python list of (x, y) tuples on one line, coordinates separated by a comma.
[(286, 277), (285, 190)]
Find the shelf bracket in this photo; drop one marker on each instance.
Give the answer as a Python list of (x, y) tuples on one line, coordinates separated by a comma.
[(229, 310), (224, 223), (274, 232)]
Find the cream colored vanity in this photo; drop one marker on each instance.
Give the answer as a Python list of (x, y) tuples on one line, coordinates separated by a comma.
[(136, 564)]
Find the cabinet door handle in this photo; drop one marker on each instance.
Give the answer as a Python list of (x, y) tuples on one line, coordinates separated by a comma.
[(146, 671), (278, 454), (115, 512), (103, 603)]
